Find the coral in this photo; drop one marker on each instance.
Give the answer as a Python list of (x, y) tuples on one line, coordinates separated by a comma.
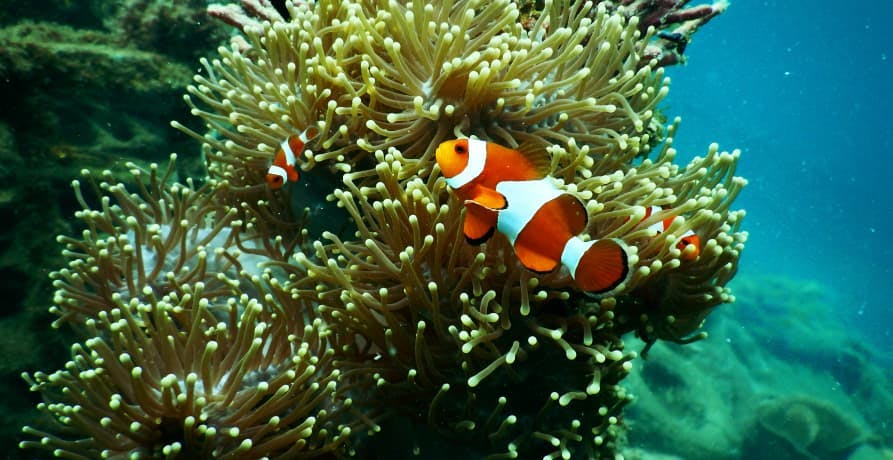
[(757, 376), (37, 51), (405, 325), (161, 26), (250, 15), (869, 452), (810, 429), (74, 96), (676, 400), (44, 63), (73, 102), (676, 22)]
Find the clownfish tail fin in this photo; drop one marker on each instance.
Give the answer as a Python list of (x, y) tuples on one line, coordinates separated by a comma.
[(309, 134), (689, 238), (598, 266)]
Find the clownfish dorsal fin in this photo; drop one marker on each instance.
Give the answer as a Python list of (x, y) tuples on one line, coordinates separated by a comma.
[(573, 213), (505, 163), (479, 224), (538, 157)]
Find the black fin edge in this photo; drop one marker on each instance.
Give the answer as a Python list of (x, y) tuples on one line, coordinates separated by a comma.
[(482, 239)]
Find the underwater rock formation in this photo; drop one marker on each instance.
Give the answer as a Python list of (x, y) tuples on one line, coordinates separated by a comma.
[(809, 428), (797, 395), (217, 324), (79, 90)]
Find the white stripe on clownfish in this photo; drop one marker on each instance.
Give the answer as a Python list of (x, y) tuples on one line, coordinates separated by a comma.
[(279, 172), (284, 166), (477, 157), (689, 237), (525, 198), (573, 252), (289, 154)]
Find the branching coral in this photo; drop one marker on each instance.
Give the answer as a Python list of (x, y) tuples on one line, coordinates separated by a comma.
[(399, 317), (676, 21)]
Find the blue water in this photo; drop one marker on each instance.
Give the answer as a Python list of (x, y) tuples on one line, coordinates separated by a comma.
[(803, 89)]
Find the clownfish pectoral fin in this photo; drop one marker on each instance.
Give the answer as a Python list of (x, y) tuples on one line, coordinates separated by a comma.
[(488, 198), (535, 260), (480, 222), (597, 266), (572, 212)]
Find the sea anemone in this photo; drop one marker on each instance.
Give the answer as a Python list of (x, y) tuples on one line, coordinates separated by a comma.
[(387, 319)]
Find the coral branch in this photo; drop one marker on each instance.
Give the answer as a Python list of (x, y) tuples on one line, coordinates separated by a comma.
[(233, 15), (675, 24), (250, 15)]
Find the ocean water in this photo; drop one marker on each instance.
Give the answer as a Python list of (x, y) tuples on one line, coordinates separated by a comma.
[(804, 90)]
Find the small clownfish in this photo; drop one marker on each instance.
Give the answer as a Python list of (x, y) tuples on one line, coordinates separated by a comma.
[(687, 238), (284, 166), (509, 191)]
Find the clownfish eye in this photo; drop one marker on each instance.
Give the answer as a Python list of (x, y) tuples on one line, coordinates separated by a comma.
[(277, 179), (460, 149)]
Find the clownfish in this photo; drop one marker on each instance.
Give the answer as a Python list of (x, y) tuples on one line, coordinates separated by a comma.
[(505, 190), (284, 167), (687, 238)]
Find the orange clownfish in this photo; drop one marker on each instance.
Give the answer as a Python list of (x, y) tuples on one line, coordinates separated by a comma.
[(285, 165), (687, 238), (508, 191)]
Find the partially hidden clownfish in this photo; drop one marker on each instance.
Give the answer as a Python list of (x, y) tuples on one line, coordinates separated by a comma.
[(687, 238), (505, 190), (285, 163)]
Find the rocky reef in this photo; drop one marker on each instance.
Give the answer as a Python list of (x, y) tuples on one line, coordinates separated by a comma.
[(815, 391), (83, 85)]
